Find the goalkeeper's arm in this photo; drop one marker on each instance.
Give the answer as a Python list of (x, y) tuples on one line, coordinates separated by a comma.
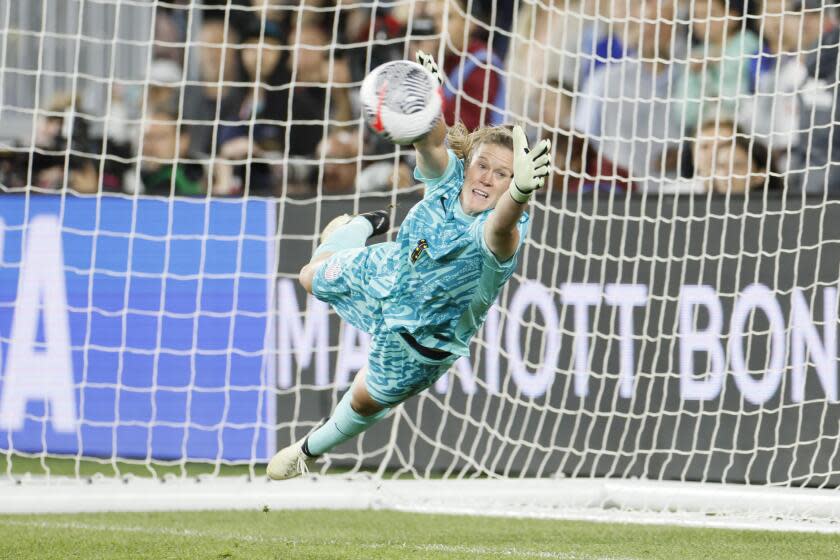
[(530, 168), (432, 157)]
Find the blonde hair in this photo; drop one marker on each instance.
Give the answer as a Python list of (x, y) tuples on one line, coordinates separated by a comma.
[(464, 143)]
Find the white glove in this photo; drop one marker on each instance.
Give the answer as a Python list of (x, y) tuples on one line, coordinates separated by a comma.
[(530, 167), (427, 61)]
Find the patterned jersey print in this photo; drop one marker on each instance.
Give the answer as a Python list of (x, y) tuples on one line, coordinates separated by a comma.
[(443, 277), (436, 281)]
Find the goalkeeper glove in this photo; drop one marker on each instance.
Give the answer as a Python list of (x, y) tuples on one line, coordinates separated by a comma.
[(427, 61), (530, 167)]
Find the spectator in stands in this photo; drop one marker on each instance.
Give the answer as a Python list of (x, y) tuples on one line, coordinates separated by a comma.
[(500, 18), (213, 100), (552, 51), (772, 113), (165, 167), (260, 110), (340, 151), (423, 36), (87, 171), (625, 112), (375, 35), (563, 41), (346, 172), (543, 56), (279, 12), (722, 60), (257, 122), (56, 161), (11, 164), (165, 79), (603, 35), (84, 174), (800, 92), (170, 28), (317, 75), (724, 159), (474, 84), (301, 70), (47, 160)]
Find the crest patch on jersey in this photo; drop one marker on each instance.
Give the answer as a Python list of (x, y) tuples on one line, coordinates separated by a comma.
[(422, 245)]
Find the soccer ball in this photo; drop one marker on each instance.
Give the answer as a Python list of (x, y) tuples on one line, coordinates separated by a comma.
[(401, 101)]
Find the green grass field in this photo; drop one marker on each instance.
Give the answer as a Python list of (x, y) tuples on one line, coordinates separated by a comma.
[(380, 535), (357, 534), (18, 465)]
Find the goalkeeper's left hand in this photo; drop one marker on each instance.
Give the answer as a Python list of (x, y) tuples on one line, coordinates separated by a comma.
[(427, 61), (530, 167)]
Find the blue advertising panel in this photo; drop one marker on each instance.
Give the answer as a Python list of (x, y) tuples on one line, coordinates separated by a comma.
[(157, 327)]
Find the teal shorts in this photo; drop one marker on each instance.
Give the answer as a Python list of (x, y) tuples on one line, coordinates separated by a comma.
[(396, 371)]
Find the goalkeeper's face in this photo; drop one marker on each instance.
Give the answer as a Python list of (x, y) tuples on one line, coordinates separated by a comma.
[(487, 177)]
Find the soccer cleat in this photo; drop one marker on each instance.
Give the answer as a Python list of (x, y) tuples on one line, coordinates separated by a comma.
[(380, 221), (289, 462)]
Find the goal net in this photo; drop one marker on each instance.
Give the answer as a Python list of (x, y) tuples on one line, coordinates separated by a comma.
[(668, 342)]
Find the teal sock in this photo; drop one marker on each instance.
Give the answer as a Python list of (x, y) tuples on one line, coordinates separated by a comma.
[(344, 424), (351, 235)]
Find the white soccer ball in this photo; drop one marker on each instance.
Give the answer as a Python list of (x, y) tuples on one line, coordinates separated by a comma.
[(401, 101)]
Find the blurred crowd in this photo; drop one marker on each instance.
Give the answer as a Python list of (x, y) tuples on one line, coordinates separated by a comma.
[(683, 95), (636, 95)]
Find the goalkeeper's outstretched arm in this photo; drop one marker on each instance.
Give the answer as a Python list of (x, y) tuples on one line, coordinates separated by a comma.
[(432, 157), (530, 168)]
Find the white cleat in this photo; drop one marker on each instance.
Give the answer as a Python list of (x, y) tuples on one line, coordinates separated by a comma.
[(334, 224), (289, 462)]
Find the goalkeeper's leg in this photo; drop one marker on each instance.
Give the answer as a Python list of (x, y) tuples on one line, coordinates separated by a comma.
[(344, 232), (355, 413), (395, 372)]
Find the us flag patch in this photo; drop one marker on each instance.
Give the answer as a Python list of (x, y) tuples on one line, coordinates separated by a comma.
[(333, 271)]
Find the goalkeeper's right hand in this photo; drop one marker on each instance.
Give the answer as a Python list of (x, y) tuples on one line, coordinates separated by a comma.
[(427, 61), (530, 167)]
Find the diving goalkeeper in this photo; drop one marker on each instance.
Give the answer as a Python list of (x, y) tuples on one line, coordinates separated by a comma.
[(424, 296)]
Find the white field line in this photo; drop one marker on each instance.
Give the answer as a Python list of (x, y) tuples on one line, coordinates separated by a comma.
[(431, 547), (687, 520)]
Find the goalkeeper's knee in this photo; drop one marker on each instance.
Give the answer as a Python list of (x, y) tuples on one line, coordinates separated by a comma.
[(307, 276)]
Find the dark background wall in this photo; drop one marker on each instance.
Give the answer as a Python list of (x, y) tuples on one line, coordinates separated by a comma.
[(656, 431)]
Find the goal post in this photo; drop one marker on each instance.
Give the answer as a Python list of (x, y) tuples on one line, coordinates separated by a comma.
[(665, 352)]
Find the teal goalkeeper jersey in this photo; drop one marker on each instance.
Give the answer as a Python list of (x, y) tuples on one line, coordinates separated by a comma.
[(439, 279)]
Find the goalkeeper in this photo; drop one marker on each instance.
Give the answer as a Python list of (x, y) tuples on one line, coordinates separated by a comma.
[(424, 296)]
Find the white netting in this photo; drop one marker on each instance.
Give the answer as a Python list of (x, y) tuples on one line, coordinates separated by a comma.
[(167, 168)]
